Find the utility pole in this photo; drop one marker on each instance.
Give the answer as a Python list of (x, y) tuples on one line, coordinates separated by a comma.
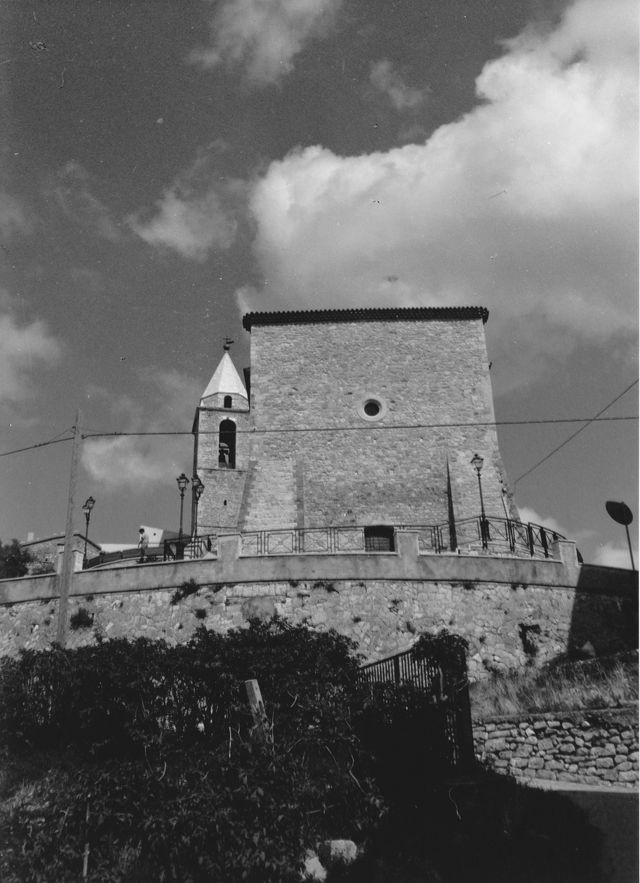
[(66, 573)]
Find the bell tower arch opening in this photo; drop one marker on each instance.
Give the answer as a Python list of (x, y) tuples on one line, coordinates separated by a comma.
[(227, 445)]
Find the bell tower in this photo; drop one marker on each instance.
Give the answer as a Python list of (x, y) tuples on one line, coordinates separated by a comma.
[(220, 451)]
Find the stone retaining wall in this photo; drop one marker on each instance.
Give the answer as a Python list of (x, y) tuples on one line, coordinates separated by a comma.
[(588, 747), (513, 612)]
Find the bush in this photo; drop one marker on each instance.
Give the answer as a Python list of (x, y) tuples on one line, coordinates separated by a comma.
[(14, 561), (159, 743)]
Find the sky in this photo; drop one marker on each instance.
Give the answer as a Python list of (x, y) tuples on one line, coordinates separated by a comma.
[(166, 166)]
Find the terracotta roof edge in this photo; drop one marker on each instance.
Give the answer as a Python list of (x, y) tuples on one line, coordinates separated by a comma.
[(304, 317)]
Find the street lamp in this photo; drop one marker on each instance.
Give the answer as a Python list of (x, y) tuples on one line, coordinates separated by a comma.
[(477, 463), (89, 503), (183, 481), (197, 488)]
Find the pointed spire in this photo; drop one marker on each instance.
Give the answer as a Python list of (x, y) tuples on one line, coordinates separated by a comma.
[(225, 382)]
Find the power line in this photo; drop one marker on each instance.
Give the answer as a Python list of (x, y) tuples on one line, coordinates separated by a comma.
[(290, 429), (577, 432), (369, 428), (53, 441)]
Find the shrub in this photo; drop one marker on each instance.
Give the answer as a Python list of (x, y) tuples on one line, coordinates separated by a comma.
[(14, 560), (158, 741), (81, 619)]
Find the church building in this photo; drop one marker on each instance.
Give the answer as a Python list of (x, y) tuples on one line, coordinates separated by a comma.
[(366, 417)]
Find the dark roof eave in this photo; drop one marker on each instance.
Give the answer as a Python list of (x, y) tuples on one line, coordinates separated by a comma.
[(382, 314)]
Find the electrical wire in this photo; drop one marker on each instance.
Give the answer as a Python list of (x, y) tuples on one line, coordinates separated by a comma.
[(577, 432), (369, 428), (53, 441)]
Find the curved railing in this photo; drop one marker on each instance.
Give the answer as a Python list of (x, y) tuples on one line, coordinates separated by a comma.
[(481, 534), (478, 535), (489, 534)]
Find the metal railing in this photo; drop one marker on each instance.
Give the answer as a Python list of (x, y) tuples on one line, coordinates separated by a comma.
[(480, 534), (300, 541), (189, 548), (489, 534)]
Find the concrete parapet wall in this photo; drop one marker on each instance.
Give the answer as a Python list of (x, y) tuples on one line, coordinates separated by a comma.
[(381, 600), (587, 747)]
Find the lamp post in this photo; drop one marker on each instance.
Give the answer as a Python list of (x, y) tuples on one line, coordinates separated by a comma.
[(197, 488), (89, 503), (477, 463), (183, 481)]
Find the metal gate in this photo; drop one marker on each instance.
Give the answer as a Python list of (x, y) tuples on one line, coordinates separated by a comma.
[(448, 688)]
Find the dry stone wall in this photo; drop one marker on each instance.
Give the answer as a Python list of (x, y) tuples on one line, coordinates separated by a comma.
[(592, 747)]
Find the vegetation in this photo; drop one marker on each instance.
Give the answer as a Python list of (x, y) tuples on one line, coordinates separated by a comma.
[(566, 686), (140, 761), (14, 561), (154, 759)]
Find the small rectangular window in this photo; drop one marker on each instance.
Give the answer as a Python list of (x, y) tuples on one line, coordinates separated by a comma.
[(379, 538)]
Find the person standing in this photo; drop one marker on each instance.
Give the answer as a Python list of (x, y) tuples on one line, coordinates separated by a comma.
[(143, 543)]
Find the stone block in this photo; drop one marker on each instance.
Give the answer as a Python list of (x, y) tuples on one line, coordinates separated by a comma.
[(604, 763), (523, 751), (337, 852), (519, 762), (628, 776)]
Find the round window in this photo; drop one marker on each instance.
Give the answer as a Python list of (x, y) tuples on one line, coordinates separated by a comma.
[(372, 407)]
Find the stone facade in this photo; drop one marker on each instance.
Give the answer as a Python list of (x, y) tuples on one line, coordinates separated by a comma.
[(309, 453), (588, 747)]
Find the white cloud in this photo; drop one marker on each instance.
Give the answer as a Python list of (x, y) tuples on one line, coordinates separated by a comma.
[(611, 555), (530, 516), (264, 36), (24, 349), (71, 190), (166, 403), (527, 204), (387, 80), (14, 219), (193, 217)]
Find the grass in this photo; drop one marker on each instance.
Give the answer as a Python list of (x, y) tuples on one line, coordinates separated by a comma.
[(567, 686)]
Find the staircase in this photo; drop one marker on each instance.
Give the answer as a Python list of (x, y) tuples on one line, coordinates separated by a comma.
[(270, 496)]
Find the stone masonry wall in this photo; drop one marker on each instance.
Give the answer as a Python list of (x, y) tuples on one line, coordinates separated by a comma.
[(382, 616), (425, 372), (591, 747), (223, 488)]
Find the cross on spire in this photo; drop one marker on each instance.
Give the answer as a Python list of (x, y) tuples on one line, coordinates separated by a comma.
[(227, 344)]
